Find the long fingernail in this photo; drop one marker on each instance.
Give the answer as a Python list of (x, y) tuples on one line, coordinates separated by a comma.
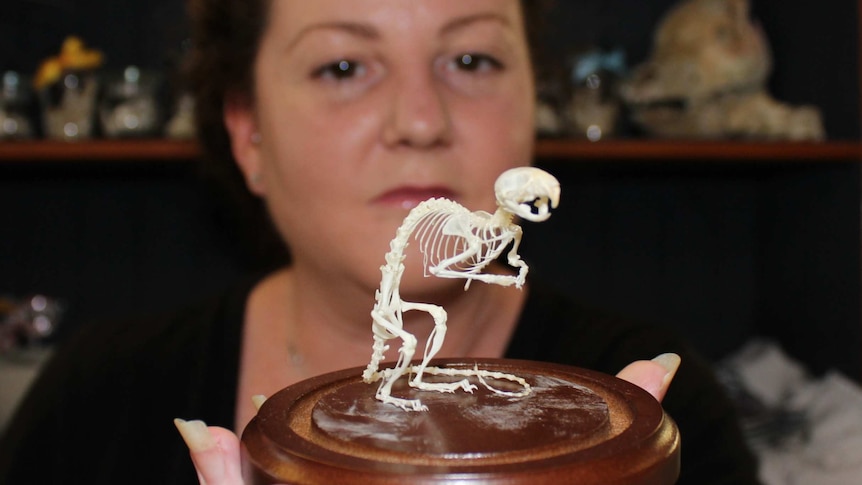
[(258, 400), (670, 362), (196, 434)]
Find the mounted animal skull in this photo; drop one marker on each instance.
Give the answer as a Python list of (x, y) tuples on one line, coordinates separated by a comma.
[(455, 243), (706, 77)]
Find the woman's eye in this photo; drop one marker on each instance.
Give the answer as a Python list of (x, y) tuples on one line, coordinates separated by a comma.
[(341, 70), (476, 63)]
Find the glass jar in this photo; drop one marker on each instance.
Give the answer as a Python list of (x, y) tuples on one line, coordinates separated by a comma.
[(68, 106), (129, 107), (15, 104)]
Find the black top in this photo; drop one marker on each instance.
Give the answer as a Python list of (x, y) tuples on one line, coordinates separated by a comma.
[(102, 410)]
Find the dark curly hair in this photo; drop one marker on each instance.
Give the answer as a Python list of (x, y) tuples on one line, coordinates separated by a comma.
[(225, 38)]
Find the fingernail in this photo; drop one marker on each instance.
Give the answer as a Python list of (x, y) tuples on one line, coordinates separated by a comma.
[(670, 362), (196, 434), (258, 400)]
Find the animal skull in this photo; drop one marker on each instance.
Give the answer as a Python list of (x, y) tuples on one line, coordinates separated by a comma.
[(702, 48), (528, 192), (706, 78)]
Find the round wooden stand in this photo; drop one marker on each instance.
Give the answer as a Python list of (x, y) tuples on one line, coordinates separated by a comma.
[(576, 426)]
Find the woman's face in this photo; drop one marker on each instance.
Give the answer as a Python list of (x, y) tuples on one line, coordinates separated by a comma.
[(367, 107)]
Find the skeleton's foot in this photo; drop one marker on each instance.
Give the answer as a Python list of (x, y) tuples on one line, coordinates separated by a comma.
[(405, 404), (463, 384)]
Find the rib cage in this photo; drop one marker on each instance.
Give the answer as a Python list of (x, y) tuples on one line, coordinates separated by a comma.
[(443, 236)]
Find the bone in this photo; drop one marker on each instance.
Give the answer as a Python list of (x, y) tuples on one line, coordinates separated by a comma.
[(455, 243), (706, 78)]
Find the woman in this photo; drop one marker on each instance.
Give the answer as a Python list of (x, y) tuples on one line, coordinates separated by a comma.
[(341, 115)]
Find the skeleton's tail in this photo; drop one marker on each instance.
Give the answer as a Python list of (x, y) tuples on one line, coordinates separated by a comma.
[(371, 373), (485, 374)]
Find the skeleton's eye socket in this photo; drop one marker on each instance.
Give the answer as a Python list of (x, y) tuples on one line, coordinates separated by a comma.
[(536, 206)]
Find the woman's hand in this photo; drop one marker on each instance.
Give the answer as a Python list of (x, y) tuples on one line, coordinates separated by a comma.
[(654, 376), (215, 450)]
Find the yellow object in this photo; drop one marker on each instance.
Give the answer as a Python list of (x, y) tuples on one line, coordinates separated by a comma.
[(72, 44), (73, 55), (49, 72)]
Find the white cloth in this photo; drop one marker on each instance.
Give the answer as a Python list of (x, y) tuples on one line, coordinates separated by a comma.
[(827, 448), (18, 368)]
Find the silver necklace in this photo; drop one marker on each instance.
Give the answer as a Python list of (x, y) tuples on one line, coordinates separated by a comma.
[(294, 355)]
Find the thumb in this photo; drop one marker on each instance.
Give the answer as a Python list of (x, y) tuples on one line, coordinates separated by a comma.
[(654, 376), (214, 452)]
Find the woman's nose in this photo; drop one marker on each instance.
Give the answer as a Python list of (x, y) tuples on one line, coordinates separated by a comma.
[(419, 114)]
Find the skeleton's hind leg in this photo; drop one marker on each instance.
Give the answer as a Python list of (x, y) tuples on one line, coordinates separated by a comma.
[(379, 348), (405, 354), (435, 341)]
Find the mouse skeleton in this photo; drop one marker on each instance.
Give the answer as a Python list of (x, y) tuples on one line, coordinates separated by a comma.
[(455, 243)]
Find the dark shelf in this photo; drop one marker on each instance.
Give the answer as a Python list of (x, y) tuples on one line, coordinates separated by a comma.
[(663, 150), (630, 150), (98, 150)]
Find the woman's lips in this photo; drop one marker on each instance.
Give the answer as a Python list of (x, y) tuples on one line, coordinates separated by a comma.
[(410, 197)]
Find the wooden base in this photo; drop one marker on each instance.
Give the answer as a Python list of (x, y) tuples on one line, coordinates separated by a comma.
[(576, 426)]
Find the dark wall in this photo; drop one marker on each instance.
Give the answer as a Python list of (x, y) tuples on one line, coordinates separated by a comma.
[(112, 240), (720, 253)]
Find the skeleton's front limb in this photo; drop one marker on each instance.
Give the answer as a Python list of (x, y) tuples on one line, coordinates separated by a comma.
[(479, 253), (496, 279), (445, 269), (514, 259)]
